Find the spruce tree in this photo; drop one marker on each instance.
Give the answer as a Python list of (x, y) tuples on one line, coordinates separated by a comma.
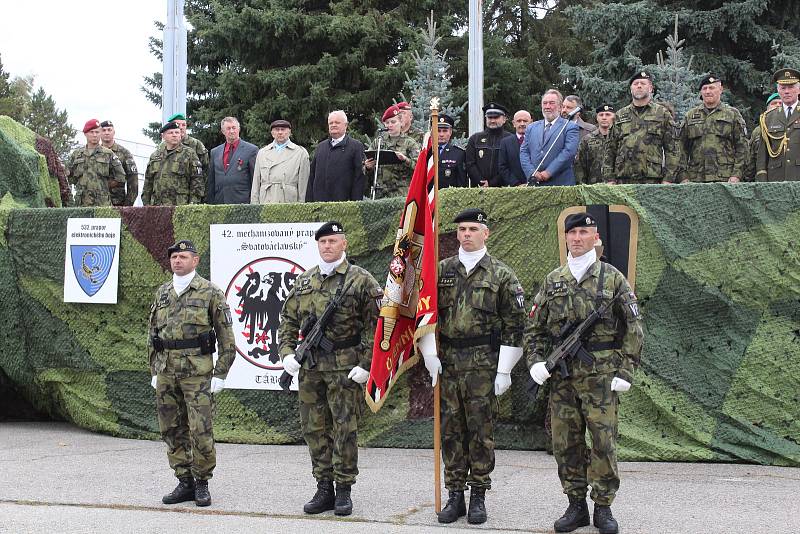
[(677, 82)]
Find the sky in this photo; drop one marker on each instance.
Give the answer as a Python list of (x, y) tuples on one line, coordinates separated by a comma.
[(91, 57)]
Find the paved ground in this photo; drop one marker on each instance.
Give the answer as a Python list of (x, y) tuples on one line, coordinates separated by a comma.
[(55, 478)]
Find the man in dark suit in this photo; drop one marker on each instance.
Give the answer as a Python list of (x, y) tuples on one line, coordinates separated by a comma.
[(337, 170), (230, 171), (509, 166), (546, 135), (452, 168)]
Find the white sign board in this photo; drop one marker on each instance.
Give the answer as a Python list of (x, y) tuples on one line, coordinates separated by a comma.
[(91, 264), (256, 266)]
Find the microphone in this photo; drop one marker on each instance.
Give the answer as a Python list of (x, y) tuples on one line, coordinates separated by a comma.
[(574, 112), (387, 129)]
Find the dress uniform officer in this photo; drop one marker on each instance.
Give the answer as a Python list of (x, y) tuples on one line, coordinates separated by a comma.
[(773, 101), (481, 320), (779, 152), (483, 149), (452, 168), (588, 397), (189, 320), (331, 394), (174, 175)]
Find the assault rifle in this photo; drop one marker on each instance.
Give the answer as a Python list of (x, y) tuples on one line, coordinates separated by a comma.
[(571, 338), (314, 338)]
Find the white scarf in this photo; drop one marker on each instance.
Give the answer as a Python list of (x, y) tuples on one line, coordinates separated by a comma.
[(180, 283), (327, 268), (470, 259), (578, 266)]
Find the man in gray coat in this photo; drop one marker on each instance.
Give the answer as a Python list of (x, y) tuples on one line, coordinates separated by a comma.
[(230, 171)]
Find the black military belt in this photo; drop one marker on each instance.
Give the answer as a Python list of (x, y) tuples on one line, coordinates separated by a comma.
[(205, 342), (467, 342), (603, 345), (172, 344), (345, 343)]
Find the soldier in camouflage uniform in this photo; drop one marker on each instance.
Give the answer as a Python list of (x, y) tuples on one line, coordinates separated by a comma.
[(331, 394), (773, 101), (191, 142), (592, 150), (393, 179), (778, 159), (643, 147), (406, 121), (92, 169), (187, 315), (174, 176), (714, 144), (119, 197), (481, 320), (588, 398)]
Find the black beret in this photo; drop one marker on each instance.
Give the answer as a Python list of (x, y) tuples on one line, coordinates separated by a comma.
[(577, 220), (280, 123), (641, 75), (329, 228), (445, 121), (709, 79), (605, 108), (169, 126), (106, 124), (493, 108), (181, 246), (472, 215)]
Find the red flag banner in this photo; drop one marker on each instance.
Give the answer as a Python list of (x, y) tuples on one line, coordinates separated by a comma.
[(409, 307)]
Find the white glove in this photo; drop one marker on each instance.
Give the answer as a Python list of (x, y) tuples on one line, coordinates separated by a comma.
[(539, 373), (217, 384), (290, 365), (501, 383), (154, 381), (427, 346), (358, 375), (620, 385)]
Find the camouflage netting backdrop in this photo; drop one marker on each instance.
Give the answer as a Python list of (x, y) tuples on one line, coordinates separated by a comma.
[(718, 278)]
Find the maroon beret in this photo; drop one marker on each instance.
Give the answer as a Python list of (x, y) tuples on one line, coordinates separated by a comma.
[(91, 124), (391, 111)]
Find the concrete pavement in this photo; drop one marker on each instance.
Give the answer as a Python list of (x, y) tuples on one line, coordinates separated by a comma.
[(60, 479)]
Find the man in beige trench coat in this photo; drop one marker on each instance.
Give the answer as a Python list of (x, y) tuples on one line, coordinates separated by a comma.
[(281, 173)]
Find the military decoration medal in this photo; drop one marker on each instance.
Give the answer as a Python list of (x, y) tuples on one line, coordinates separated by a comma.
[(91, 263)]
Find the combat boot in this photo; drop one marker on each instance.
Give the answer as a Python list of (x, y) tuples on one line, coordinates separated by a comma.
[(201, 495), (323, 499), (343, 504), (577, 515), (604, 521), (183, 492), (477, 506), (455, 507)]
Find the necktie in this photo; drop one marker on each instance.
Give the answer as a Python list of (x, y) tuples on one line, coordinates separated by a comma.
[(546, 129), (789, 112), (520, 139), (227, 155)]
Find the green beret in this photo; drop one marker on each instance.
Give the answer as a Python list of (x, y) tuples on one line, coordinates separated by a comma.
[(772, 97), (179, 116)]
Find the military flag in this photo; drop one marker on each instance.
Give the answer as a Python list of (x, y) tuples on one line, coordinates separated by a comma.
[(409, 306)]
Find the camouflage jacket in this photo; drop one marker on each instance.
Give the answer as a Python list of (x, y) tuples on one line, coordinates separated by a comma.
[(643, 147), (92, 172), (562, 299), (393, 180), (356, 316), (750, 168), (714, 144), (201, 151), (781, 139), (199, 309), (487, 301), (589, 161), (118, 195), (173, 178)]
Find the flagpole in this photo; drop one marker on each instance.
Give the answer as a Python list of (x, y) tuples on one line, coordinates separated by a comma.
[(437, 423)]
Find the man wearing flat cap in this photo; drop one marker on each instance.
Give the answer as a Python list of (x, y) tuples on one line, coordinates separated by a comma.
[(393, 179), (643, 148), (592, 149), (282, 168), (231, 167), (483, 148), (778, 159), (93, 169), (174, 176), (588, 398), (193, 143), (452, 169), (189, 320), (714, 144), (481, 320), (331, 394), (119, 195), (773, 101)]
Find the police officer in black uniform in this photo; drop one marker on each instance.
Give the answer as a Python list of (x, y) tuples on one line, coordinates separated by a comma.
[(483, 148), (452, 159)]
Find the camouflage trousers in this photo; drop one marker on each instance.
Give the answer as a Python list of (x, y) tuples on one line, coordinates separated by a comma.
[(468, 410), (330, 407), (577, 404), (185, 413)]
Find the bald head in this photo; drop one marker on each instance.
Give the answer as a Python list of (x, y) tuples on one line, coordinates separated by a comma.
[(522, 119)]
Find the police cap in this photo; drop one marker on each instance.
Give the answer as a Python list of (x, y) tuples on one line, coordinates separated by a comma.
[(445, 121), (106, 124), (786, 77), (181, 246), (605, 108), (709, 80), (169, 126), (577, 220), (472, 215), (493, 109), (329, 228)]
